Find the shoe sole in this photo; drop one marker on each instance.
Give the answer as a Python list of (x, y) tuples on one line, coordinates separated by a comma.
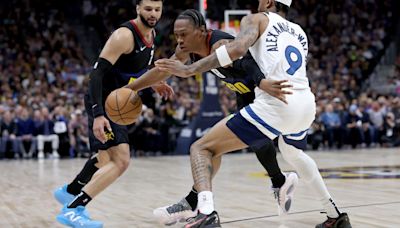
[(173, 221), (63, 221), (289, 195)]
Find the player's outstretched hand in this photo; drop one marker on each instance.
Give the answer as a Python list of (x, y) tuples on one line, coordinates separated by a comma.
[(164, 90), (99, 124), (276, 88), (174, 67)]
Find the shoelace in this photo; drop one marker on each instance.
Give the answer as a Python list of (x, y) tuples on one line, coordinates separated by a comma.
[(276, 194), (178, 207)]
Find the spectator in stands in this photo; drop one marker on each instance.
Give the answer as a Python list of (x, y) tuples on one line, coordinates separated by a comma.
[(9, 133), (332, 125), (376, 116), (45, 133), (391, 131), (367, 131), (315, 133), (150, 126), (78, 135), (25, 134), (353, 125), (61, 128)]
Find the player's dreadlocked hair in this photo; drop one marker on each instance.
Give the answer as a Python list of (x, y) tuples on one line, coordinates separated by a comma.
[(195, 17), (281, 7)]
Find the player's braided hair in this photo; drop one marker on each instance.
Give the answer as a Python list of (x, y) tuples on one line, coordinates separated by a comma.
[(194, 16)]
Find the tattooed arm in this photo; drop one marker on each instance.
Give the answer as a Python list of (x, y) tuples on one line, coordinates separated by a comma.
[(248, 35), (154, 75)]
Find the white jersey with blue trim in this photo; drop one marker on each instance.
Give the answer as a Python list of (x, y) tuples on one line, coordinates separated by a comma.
[(281, 51)]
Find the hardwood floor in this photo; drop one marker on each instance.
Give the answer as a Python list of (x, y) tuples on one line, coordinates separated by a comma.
[(364, 183)]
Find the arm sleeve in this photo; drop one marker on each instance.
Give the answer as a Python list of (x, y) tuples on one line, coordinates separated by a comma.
[(248, 64), (101, 67)]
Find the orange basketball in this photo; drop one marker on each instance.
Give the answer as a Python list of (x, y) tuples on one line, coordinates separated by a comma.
[(123, 106)]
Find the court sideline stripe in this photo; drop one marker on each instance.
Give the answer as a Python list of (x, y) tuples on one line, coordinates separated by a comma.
[(303, 212)]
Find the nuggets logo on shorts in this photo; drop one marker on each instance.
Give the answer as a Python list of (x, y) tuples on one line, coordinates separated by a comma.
[(109, 135)]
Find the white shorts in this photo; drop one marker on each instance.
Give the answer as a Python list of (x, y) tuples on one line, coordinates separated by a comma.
[(273, 117)]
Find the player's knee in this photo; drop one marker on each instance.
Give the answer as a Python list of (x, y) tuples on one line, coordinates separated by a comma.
[(196, 146), (121, 158), (194, 149), (122, 163), (199, 147)]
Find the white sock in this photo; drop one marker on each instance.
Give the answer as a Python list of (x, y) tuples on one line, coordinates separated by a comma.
[(308, 171), (205, 202)]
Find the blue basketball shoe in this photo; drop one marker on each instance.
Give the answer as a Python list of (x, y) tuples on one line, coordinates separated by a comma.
[(64, 197), (76, 218)]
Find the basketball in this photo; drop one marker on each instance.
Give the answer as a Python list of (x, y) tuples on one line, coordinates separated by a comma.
[(123, 106)]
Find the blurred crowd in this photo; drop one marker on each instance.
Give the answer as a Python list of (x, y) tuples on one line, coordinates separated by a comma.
[(44, 72)]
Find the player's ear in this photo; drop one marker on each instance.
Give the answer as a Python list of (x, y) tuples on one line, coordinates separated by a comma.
[(270, 3), (203, 29), (137, 9)]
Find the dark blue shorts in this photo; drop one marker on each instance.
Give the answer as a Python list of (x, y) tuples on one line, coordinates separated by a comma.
[(252, 136)]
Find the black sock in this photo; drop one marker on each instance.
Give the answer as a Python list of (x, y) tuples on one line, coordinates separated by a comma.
[(75, 187), (191, 198), (80, 200), (278, 180), (266, 154)]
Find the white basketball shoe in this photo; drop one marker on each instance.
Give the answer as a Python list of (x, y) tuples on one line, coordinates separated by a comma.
[(284, 194), (179, 212)]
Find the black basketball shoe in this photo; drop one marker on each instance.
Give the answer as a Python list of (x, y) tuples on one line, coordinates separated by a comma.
[(342, 221), (204, 221)]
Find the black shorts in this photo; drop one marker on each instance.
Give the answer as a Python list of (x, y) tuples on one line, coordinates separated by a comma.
[(118, 136)]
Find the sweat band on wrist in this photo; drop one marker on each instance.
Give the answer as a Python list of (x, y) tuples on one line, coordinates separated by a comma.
[(223, 56)]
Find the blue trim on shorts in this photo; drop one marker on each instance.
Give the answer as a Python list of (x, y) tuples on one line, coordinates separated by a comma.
[(298, 134), (299, 144), (247, 132), (260, 121)]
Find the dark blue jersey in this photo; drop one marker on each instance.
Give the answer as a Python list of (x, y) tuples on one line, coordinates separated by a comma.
[(236, 78), (132, 65)]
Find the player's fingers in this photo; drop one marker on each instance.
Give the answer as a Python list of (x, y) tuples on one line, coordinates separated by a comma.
[(160, 65), (107, 125), (164, 61), (286, 92), (283, 99), (284, 86), (162, 69), (160, 61), (170, 91), (99, 135), (280, 82), (164, 94)]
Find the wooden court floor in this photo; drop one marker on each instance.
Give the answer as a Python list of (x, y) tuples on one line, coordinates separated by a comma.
[(364, 183)]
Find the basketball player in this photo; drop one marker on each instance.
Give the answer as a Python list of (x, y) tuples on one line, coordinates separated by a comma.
[(194, 43), (126, 55), (280, 48)]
